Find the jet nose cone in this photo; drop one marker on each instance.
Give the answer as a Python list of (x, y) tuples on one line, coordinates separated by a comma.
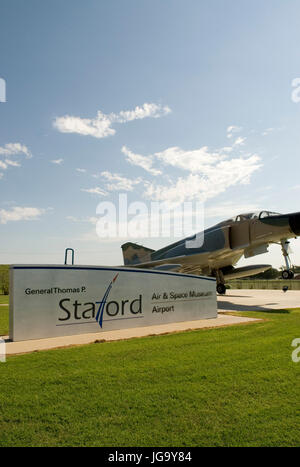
[(294, 220)]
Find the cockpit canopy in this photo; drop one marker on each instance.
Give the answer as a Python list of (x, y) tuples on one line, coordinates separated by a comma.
[(251, 215)]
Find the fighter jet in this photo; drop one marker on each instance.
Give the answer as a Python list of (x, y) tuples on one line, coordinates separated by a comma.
[(222, 247)]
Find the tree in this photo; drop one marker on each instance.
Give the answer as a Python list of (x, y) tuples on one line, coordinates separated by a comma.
[(4, 282), (269, 274)]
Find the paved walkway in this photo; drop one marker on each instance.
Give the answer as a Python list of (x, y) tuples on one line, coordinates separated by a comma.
[(56, 342), (233, 301)]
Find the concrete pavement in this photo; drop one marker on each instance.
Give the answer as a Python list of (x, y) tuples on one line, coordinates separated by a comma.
[(258, 300)]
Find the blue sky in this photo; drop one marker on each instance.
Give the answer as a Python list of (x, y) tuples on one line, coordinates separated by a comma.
[(112, 87)]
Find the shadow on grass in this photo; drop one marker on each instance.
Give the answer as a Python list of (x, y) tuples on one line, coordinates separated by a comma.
[(284, 312), (229, 306)]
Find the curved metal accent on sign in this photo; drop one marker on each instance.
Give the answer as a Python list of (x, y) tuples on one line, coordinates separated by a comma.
[(66, 255)]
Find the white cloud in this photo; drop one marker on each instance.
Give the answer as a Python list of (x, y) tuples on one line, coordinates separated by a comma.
[(210, 173), (57, 161), (4, 164), (20, 214), (267, 131), (147, 110), (227, 149), (194, 161), (12, 149), (96, 191), (100, 126), (81, 170), (201, 187), (141, 161), (12, 163), (240, 141), (91, 220), (233, 129), (119, 183)]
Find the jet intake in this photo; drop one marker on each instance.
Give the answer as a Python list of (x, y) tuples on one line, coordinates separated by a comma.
[(294, 221), (246, 271), (258, 250)]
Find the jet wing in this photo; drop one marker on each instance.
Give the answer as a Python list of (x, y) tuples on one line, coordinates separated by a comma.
[(178, 265), (153, 264)]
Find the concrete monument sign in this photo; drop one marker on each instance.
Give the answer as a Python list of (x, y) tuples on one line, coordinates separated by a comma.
[(50, 300)]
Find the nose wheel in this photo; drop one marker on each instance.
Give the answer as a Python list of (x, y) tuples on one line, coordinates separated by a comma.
[(287, 274)]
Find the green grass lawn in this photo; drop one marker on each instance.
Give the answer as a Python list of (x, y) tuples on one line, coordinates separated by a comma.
[(3, 321), (4, 299), (234, 386)]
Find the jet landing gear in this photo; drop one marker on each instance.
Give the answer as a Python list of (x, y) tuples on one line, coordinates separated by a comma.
[(287, 273), (221, 288)]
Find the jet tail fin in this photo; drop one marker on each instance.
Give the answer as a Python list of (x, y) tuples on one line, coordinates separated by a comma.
[(135, 254)]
